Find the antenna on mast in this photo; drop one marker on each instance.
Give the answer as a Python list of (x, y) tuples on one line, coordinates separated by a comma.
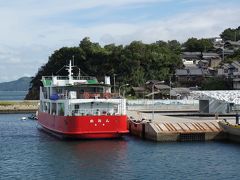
[(73, 59)]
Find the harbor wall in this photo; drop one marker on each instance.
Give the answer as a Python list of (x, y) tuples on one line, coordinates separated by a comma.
[(26, 106), (163, 104)]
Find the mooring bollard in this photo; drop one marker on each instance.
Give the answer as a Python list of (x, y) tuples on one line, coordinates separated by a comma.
[(237, 118)]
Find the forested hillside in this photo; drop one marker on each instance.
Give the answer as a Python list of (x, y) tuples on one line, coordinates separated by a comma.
[(133, 64), (21, 84)]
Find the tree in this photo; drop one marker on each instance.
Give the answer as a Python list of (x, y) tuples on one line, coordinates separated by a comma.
[(216, 83), (195, 45), (231, 34), (234, 57), (134, 64)]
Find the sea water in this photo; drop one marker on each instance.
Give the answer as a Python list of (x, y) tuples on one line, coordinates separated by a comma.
[(26, 152), (12, 95)]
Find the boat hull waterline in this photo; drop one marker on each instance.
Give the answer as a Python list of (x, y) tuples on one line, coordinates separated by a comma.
[(84, 127)]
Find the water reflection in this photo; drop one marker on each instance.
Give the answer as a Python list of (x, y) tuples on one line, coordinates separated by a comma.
[(85, 157)]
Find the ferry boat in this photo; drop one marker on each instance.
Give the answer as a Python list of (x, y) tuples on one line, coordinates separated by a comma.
[(81, 107)]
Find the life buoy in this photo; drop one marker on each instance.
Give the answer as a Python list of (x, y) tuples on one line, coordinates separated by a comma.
[(107, 95), (86, 95)]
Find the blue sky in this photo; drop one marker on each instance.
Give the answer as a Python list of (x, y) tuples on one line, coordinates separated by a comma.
[(31, 29)]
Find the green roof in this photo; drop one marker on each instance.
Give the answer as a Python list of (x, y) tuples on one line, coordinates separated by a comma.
[(92, 81), (47, 82)]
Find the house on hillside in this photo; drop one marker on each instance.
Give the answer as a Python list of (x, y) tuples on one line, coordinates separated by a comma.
[(210, 55), (224, 52), (236, 71), (230, 70), (234, 45), (139, 91), (226, 70), (213, 59), (158, 88), (236, 83), (191, 55), (203, 64), (180, 93), (198, 59), (189, 77), (189, 63)]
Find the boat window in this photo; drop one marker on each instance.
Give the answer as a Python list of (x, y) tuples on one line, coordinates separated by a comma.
[(44, 90), (58, 90), (60, 109), (41, 106), (45, 107), (54, 107), (81, 90), (115, 109), (76, 106)]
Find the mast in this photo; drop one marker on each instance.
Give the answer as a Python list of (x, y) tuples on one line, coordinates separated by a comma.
[(69, 69)]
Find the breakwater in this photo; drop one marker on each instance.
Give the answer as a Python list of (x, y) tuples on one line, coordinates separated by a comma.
[(21, 106)]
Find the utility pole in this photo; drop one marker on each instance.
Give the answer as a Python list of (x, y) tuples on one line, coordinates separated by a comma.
[(73, 59), (114, 82), (223, 53), (236, 35), (153, 101), (170, 85), (119, 90)]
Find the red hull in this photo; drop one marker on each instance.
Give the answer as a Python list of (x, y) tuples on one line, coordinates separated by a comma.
[(85, 127)]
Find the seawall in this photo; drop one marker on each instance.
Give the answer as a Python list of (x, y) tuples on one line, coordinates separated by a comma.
[(26, 106)]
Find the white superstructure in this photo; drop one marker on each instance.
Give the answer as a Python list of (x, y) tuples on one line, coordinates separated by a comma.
[(79, 96)]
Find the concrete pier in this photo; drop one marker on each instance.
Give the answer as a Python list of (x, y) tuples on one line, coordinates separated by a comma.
[(165, 128), (18, 107)]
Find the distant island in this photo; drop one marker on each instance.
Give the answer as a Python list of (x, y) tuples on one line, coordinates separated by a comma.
[(22, 84)]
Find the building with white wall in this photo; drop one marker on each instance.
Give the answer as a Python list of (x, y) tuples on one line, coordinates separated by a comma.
[(221, 102)]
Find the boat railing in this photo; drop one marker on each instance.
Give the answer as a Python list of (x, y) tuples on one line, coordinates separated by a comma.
[(67, 78), (94, 111), (84, 95), (90, 95)]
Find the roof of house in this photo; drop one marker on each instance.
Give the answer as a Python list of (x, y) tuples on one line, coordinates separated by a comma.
[(236, 64), (210, 55), (236, 80), (203, 61), (154, 82), (190, 72), (179, 91), (138, 89), (233, 43), (227, 66), (181, 72), (219, 50), (162, 86), (150, 94), (191, 55)]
